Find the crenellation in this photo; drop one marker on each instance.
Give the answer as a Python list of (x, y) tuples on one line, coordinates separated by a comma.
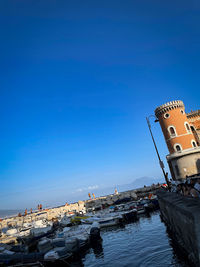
[(168, 106)]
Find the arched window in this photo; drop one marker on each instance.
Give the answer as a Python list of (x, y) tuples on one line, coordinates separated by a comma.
[(172, 131), (197, 142), (187, 127), (177, 147), (193, 143)]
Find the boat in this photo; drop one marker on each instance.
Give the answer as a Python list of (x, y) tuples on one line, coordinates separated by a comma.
[(130, 216), (38, 232), (44, 245), (103, 221), (11, 258), (57, 254), (65, 221)]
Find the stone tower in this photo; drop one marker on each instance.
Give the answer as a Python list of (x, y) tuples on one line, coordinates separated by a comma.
[(184, 157)]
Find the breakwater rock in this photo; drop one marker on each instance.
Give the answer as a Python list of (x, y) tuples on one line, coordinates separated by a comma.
[(122, 196)]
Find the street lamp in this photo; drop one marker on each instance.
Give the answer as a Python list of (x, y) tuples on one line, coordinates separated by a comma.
[(160, 161)]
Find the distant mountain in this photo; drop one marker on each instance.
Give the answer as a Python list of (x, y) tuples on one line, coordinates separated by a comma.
[(138, 183)]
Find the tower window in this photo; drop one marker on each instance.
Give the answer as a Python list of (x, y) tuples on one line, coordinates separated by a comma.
[(172, 131), (187, 127), (194, 143), (182, 111), (177, 147)]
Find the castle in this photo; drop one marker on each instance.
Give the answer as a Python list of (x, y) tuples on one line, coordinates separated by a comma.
[(182, 135)]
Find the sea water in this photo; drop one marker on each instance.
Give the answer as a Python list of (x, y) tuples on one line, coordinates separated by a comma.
[(145, 243), (9, 213)]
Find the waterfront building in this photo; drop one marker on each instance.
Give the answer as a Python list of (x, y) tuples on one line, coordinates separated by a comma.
[(182, 135), (194, 120)]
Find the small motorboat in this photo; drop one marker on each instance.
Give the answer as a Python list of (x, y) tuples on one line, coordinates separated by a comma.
[(103, 221), (130, 216), (37, 232), (65, 221), (56, 254)]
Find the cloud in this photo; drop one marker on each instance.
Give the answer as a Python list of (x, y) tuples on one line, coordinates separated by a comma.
[(93, 187), (79, 190), (87, 188)]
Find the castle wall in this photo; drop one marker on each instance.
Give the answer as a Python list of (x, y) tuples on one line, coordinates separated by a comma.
[(185, 165)]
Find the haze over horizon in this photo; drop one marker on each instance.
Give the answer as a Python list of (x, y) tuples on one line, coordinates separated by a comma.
[(98, 190), (77, 81)]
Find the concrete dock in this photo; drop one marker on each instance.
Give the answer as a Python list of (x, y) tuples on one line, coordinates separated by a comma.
[(182, 216)]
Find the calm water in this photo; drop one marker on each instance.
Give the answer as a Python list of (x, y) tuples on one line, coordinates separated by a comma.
[(144, 243), (9, 213)]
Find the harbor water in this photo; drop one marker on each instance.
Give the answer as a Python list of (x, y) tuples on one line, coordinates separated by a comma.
[(143, 243)]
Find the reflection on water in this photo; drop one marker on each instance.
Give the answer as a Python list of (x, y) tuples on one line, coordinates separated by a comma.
[(140, 244)]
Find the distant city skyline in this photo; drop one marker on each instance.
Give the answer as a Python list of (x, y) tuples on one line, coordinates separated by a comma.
[(77, 81)]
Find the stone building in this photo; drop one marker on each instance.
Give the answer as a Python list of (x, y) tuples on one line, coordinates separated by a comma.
[(181, 133), (194, 120)]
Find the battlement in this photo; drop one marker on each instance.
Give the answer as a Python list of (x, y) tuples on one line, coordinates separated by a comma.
[(169, 106), (193, 114)]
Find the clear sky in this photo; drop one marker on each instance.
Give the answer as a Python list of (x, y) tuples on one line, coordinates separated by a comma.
[(77, 79)]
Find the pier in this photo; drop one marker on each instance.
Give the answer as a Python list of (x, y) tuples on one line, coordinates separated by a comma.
[(182, 216)]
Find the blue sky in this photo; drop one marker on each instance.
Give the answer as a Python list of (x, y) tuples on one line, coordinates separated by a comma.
[(77, 79)]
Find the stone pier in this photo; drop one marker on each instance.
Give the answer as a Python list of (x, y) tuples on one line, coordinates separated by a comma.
[(182, 216)]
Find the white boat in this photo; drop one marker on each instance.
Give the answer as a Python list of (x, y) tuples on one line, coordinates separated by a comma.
[(42, 223), (40, 231), (103, 221), (23, 233), (110, 221), (17, 232), (65, 221), (12, 232), (75, 237)]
